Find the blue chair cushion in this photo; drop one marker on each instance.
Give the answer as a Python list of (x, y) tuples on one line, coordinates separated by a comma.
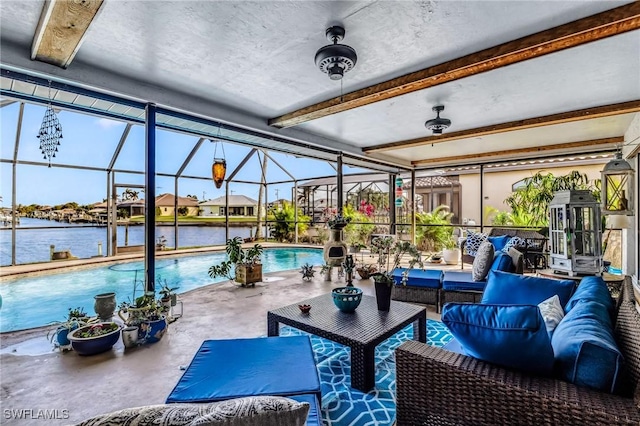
[(499, 242), (225, 369), (502, 262), (430, 278), (314, 418), (593, 289), (513, 336), (585, 349), (515, 289), (461, 281)]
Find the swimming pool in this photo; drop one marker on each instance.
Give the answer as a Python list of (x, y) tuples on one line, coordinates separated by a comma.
[(37, 301)]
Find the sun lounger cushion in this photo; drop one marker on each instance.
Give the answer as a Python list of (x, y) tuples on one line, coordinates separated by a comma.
[(511, 336), (431, 278), (224, 369), (461, 281), (515, 289), (585, 349)]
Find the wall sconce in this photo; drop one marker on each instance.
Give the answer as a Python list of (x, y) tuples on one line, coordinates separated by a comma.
[(219, 167), (617, 187)]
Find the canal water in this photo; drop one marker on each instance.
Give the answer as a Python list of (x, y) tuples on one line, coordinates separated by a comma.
[(33, 245)]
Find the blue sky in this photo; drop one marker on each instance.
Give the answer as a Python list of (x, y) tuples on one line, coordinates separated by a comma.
[(91, 141)]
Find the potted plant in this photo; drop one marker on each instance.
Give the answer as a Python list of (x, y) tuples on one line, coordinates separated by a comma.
[(169, 297), (450, 251), (307, 271), (248, 269), (387, 249), (148, 315), (93, 339), (365, 270), (326, 271), (75, 319)]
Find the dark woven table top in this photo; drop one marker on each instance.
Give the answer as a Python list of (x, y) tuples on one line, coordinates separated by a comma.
[(367, 325)]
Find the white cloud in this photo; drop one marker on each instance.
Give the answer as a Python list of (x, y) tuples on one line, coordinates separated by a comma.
[(105, 123)]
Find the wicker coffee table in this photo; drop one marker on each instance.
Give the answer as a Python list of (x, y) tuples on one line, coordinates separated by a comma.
[(362, 330)]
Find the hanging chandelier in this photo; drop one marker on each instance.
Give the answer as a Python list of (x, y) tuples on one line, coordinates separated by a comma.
[(617, 186), (219, 166), (50, 132)]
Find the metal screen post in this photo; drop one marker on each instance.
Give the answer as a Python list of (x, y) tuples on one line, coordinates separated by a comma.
[(150, 199)]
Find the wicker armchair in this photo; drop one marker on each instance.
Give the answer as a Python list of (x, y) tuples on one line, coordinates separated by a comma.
[(438, 387)]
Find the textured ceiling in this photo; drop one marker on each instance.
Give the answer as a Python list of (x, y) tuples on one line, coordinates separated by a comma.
[(246, 62)]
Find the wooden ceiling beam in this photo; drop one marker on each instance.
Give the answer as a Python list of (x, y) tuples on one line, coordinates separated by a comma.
[(546, 120), (61, 30), (529, 150), (592, 28)]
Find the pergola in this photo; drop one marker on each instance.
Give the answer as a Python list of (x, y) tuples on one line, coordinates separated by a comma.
[(554, 79)]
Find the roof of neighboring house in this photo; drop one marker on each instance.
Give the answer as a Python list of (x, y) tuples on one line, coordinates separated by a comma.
[(169, 201), (131, 203), (432, 181), (234, 201)]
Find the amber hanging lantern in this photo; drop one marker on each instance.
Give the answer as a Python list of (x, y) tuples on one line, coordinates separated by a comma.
[(219, 166)]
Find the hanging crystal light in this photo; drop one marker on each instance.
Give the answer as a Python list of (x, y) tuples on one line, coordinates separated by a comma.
[(50, 132), (617, 187)]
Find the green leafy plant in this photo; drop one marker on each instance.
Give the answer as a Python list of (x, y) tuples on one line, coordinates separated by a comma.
[(391, 253), (96, 330), (434, 230), (283, 227), (307, 271), (236, 256), (359, 229)]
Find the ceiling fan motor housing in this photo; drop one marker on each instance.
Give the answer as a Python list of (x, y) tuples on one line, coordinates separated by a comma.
[(336, 59)]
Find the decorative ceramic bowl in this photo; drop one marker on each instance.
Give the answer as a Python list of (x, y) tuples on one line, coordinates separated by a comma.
[(96, 344), (304, 308), (347, 299)]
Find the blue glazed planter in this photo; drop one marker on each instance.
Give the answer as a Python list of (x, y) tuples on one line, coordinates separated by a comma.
[(93, 345), (347, 299), (62, 336), (154, 330)]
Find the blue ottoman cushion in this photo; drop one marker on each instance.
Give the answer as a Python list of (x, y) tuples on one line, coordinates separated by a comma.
[(461, 281), (314, 418), (513, 336), (515, 289), (592, 289), (430, 278), (225, 369), (585, 348)]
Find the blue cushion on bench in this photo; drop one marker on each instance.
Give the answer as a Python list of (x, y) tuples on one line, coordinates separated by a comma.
[(224, 369), (499, 242), (507, 335), (431, 278), (593, 289), (314, 418), (461, 281), (515, 289), (585, 348), (502, 262)]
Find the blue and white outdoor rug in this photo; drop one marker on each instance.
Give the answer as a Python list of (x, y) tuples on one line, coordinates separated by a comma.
[(344, 406)]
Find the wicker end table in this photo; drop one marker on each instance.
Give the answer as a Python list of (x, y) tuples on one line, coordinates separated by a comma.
[(362, 330)]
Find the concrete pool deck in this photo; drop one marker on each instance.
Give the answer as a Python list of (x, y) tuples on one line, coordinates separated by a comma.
[(33, 377)]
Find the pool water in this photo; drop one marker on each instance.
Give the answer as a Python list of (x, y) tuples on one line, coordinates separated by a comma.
[(38, 301)]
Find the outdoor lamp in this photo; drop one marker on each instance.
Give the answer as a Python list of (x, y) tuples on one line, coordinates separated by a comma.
[(617, 187), (218, 170)]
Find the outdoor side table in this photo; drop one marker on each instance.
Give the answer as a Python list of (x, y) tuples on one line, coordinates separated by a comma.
[(362, 330)]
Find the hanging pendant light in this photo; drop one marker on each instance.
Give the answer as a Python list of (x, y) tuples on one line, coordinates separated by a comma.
[(219, 166), (617, 187)]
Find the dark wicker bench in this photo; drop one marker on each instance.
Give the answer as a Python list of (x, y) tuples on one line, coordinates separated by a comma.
[(438, 387)]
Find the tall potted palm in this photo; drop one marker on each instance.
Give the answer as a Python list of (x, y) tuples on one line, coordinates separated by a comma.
[(243, 265)]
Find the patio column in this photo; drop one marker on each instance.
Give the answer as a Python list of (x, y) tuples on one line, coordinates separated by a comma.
[(13, 185), (392, 205), (175, 214), (150, 199), (226, 210), (481, 197), (413, 206), (340, 200), (295, 210)]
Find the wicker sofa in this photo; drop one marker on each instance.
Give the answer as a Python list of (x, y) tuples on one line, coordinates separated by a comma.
[(438, 387)]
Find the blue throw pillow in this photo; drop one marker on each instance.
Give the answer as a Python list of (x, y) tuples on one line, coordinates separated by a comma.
[(507, 335), (502, 262), (516, 289), (474, 239), (585, 349), (499, 242), (592, 289)]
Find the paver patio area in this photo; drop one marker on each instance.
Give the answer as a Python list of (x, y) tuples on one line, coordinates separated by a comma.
[(86, 386)]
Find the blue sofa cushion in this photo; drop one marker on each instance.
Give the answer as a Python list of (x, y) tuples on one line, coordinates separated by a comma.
[(225, 369), (502, 262), (461, 281), (515, 289), (314, 418), (499, 242), (508, 335), (593, 289), (585, 349), (430, 278)]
